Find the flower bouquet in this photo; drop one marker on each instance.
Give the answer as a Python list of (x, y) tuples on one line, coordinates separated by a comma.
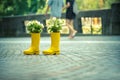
[(54, 25), (34, 26)]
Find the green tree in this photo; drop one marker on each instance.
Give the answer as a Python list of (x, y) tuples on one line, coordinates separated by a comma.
[(20, 7), (95, 4), (107, 3), (13, 7)]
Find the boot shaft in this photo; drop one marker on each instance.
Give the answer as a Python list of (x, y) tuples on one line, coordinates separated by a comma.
[(35, 40), (55, 40), (35, 37)]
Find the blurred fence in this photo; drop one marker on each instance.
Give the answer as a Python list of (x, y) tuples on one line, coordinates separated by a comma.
[(110, 22)]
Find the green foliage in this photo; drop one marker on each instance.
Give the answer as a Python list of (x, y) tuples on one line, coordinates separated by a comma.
[(20, 7), (34, 5), (13, 7), (94, 4), (109, 2)]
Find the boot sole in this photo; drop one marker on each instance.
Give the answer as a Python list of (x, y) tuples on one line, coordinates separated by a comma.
[(52, 53), (32, 53)]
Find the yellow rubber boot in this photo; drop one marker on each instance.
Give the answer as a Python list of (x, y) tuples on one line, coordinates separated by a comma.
[(55, 41), (34, 48)]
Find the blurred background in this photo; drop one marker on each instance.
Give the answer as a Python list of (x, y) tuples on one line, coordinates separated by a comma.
[(95, 16), (25, 7)]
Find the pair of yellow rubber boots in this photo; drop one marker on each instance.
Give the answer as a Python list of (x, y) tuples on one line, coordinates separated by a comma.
[(35, 41)]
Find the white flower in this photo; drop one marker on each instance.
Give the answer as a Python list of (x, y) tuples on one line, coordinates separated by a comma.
[(42, 25), (54, 18), (34, 26)]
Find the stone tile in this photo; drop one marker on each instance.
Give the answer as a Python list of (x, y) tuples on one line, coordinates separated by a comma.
[(81, 59)]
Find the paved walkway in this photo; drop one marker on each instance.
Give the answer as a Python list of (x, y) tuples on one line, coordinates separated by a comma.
[(82, 58)]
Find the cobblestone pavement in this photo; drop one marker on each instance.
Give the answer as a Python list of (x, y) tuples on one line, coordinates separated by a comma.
[(82, 58)]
